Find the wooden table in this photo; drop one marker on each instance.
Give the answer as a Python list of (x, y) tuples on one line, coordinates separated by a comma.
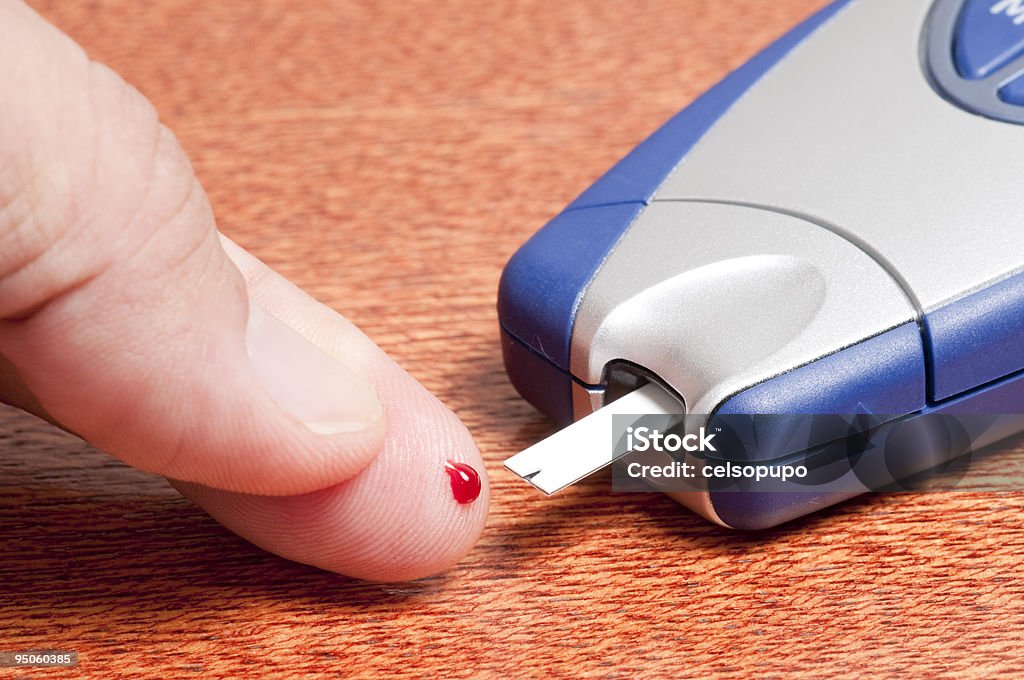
[(389, 157)]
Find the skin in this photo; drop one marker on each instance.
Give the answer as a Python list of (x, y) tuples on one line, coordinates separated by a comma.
[(127, 319)]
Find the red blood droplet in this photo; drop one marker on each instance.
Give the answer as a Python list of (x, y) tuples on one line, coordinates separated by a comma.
[(464, 480)]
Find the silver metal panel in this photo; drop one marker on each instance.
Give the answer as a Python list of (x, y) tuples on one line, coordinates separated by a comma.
[(715, 298), (848, 132)]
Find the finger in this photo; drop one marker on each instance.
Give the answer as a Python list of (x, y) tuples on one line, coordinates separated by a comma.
[(120, 313), (398, 519)]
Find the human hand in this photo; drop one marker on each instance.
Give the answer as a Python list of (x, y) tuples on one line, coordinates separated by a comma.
[(127, 319)]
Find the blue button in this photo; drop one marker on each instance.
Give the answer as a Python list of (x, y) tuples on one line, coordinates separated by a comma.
[(1013, 92), (990, 34)]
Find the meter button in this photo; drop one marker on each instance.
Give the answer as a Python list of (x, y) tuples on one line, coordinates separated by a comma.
[(988, 35)]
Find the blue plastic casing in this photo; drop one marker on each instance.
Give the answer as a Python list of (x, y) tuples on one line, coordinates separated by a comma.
[(977, 339), (759, 510)]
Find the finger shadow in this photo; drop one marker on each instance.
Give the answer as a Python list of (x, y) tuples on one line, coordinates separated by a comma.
[(89, 539)]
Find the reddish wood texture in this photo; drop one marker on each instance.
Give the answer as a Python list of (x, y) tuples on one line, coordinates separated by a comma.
[(389, 157)]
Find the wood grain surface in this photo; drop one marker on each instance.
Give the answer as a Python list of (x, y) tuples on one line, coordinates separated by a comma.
[(389, 157)]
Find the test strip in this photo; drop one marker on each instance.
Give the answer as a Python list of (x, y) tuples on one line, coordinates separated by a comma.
[(586, 446)]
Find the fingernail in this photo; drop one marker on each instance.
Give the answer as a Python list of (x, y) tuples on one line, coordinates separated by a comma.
[(306, 382)]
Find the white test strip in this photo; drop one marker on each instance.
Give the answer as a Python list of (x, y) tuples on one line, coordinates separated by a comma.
[(585, 447)]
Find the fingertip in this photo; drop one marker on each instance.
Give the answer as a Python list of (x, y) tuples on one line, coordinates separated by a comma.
[(413, 522), (397, 520)]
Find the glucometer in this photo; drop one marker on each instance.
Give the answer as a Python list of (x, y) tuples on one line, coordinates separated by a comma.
[(834, 229)]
